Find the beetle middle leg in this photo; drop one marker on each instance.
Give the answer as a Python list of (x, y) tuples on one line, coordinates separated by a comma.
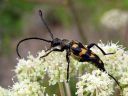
[(93, 44)]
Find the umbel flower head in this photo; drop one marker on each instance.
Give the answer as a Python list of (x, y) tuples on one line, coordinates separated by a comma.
[(32, 71), (97, 83), (116, 63), (35, 68), (4, 92), (115, 19), (27, 88), (56, 67), (31, 68)]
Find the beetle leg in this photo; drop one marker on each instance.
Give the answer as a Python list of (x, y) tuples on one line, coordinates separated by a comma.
[(93, 44), (50, 50), (68, 60), (47, 53), (116, 81)]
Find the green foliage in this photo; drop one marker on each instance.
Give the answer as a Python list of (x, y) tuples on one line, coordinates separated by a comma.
[(89, 12), (59, 16), (63, 15), (11, 12), (124, 4), (93, 9)]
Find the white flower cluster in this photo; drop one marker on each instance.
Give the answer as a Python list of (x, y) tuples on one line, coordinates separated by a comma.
[(35, 68), (124, 81), (116, 63), (125, 92), (97, 83), (33, 71), (115, 19), (27, 88), (4, 92), (56, 68)]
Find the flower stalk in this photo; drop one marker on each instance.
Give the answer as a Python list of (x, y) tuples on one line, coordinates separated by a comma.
[(67, 88), (75, 15), (61, 88)]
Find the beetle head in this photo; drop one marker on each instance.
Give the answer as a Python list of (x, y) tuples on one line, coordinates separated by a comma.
[(56, 42)]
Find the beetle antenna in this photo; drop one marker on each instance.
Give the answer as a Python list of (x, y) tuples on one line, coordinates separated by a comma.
[(36, 38), (41, 15)]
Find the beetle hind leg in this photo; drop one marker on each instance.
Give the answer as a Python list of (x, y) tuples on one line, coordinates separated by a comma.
[(93, 44)]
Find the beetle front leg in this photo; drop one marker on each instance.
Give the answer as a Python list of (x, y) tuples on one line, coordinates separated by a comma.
[(68, 61), (50, 50)]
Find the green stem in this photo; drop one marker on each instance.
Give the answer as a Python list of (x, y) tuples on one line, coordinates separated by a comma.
[(79, 75), (77, 20), (61, 87), (67, 87)]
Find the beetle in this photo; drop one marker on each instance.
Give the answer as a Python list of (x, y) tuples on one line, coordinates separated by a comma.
[(73, 48)]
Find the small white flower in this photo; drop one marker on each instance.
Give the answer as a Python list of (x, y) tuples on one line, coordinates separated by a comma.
[(27, 88), (125, 92), (57, 67), (32, 68), (124, 77), (4, 92), (97, 81)]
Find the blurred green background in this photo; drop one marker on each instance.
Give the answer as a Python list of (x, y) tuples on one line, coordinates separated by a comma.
[(82, 20)]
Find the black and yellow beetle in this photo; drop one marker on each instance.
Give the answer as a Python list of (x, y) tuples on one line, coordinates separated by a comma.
[(73, 48)]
